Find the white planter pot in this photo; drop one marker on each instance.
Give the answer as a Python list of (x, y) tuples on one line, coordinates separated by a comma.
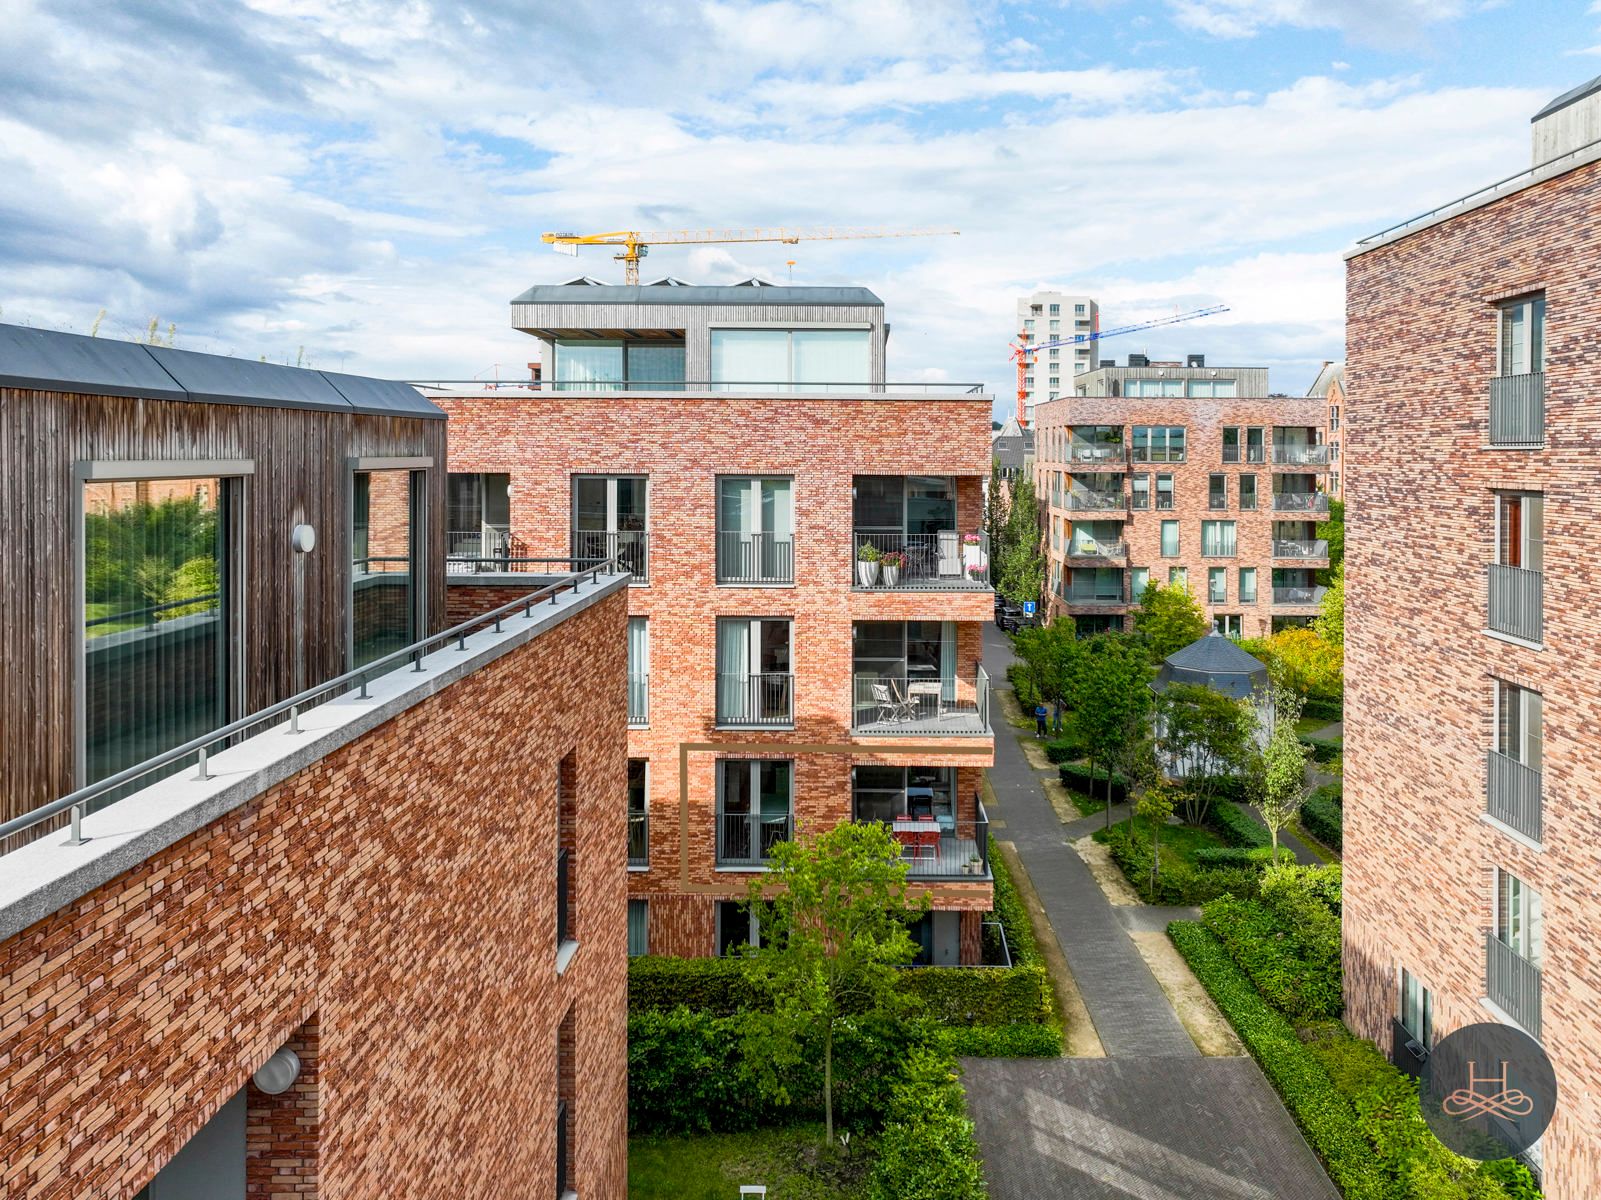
[(892, 574), (866, 573), (972, 556)]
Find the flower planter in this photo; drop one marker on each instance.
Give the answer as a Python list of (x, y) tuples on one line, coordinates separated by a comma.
[(973, 558), (866, 572), (891, 574)]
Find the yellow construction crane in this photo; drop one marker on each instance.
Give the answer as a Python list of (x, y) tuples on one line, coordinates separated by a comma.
[(637, 245)]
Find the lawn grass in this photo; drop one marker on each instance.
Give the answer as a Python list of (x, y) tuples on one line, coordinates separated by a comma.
[(100, 608), (1086, 806), (1179, 842), (1307, 726), (789, 1160)]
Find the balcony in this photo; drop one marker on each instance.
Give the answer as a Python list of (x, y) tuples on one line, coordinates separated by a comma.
[(1098, 550), (945, 848), (1091, 455), (639, 700), (747, 839), (1300, 456), (756, 700), (1517, 410), (897, 704), (1512, 983), (1086, 500), (1517, 602), (1299, 548), (639, 839), (630, 547), (1512, 793), (755, 557), (921, 562), (1316, 502), (1299, 597)]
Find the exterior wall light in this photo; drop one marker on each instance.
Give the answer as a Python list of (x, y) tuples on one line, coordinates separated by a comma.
[(303, 539), (278, 1074)]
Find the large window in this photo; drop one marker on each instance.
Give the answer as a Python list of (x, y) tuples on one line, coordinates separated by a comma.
[(1217, 585), (1520, 530), (1247, 585), (1417, 1010), (155, 619), (790, 359), (755, 685), (1217, 539), (586, 365), (1522, 350), (1139, 579), (755, 530), (754, 799), (1520, 724), (1517, 916), (1247, 493), (1164, 491), (1140, 496), (1231, 444), (383, 603), (638, 812), (1170, 539), (611, 519), (1153, 387), (1217, 491), (884, 793), (1210, 388), (477, 515), (638, 928), (638, 670), (1158, 443)]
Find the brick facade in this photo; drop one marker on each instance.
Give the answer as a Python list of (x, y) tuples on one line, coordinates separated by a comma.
[(1422, 328), (389, 912), (1203, 421), (682, 444)]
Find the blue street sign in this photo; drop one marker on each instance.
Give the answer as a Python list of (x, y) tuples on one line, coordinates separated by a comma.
[(1028, 608)]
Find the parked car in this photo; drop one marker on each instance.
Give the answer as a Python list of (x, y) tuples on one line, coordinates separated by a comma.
[(1014, 618), (1005, 611)]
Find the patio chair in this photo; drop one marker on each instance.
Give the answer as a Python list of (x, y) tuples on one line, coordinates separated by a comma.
[(892, 707), (950, 553)]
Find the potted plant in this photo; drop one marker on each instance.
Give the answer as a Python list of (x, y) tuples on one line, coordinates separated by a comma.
[(972, 552), (867, 559), (978, 574), (975, 865), (890, 563)]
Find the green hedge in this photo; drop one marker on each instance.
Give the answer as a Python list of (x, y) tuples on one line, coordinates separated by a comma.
[(1236, 826), (927, 1150), (1323, 750), (1324, 820), (1211, 857), (1064, 750), (1012, 914), (1327, 1119), (1322, 706), (1177, 882), (1077, 776), (719, 986), (1293, 973), (1017, 676), (1001, 1041)]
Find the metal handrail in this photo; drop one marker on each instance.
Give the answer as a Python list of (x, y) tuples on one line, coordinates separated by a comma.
[(150, 611), (784, 386), (360, 677)]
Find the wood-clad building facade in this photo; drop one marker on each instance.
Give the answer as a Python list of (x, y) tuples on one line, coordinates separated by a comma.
[(281, 447)]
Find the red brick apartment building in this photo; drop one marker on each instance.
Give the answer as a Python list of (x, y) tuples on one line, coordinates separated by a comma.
[(1472, 836), (1162, 472), (739, 447), (1329, 387), (362, 945)]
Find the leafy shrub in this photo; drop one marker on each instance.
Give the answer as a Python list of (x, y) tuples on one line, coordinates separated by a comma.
[(980, 996), (1064, 750), (1078, 777), (1010, 911), (718, 986), (1236, 826), (1212, 857), (1293, 974), (1000, 1041), (1017, 675), (1177, 882), (1323, 750), (1326, 1118), (927, 1150), (1513, 1177), (1324, 820), (1307, 896), (1329, 708)]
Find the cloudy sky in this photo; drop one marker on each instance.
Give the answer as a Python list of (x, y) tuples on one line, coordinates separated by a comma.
[(366, 182)]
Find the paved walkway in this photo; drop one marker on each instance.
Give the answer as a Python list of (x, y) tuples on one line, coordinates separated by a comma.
[(1154, 1120)]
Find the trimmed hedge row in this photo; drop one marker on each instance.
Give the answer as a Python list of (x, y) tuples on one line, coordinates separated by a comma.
[(1324, 820), (1010, 911), (1212, 857), (1077, 776), (718, 986), (1326, 1118), (927, 1150), (1236, 826), (1177, 882), (1000, 1041), (1293, 973), (1064, 750)]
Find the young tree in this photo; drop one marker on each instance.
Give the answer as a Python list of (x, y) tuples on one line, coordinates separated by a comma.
[(1278, 775), (833, 933), (997, 507), (1112, 702), (1156, 806), (1169, 619), (1205, 737), (1022, 565), (1051, 655), (1330, 621)]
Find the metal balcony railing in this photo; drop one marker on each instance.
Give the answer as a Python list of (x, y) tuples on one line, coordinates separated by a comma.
[(1147, 454), (1301, 456), (747, 839), (1512, 792), (1299, 595), (1085, 500), (1091, 453), (1300, 548), (755, 557), (1095, 548), (628, 546), (639, 699), (1517, 409), (1301, 502), (1517, 603), (487, 542), (930, 562), (1512, 983), (766, 699), (639, 839), (942, 848), (563, 900), (894, 703)]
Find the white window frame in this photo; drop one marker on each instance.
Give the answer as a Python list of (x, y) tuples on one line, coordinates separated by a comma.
[(1531, 309)]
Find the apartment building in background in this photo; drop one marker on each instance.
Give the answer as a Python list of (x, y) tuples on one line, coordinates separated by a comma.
[(809, 584), (1011, 452), (298, 895), (1471, 848), (1180, 472), (1329, 386), (1045, 317)]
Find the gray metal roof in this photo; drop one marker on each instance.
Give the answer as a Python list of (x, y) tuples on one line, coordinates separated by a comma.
[(48, 360), (687, 293), (1213, 661), (1571, 96)]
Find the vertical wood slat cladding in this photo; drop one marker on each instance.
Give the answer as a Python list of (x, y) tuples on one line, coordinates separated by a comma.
[(301, 476)]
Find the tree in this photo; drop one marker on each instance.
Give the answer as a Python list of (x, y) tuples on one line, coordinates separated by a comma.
[(1168, 618), (997, 507), (1304, 661), (1330, 621), (1022, 566), (833, 910), (1112, 702), (1204, 737), (1156, 806), (1278, 776), (1332, 530), (1050, 655)]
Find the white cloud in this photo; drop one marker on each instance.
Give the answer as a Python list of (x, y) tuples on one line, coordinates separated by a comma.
[(1363, 20)]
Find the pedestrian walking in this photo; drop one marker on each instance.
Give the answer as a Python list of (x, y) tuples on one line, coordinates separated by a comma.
[(1056, 718), (1040, 713)]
